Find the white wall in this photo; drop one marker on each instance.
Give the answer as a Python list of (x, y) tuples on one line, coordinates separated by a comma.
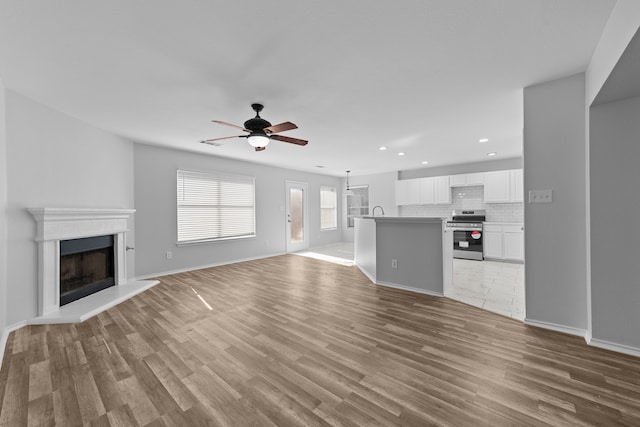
[(54, 160), (615, 202), (382, 192), (3, 218), (155, 197), (623, 23), (555, 244)]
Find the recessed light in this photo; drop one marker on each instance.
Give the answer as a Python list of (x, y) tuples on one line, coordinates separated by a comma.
[(491, 154), (425, 162), (483, 140), (382, 148), (401, 153)]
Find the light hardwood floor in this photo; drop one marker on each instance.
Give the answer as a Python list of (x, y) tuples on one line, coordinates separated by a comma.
[(293, 341)]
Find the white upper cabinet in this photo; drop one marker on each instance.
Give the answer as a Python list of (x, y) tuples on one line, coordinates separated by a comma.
[(442, 190), (475, 178), (458, 180), (503, 186), (466, 179), (426, 191), (517, 186), (423, 191), (499, 187), (407, 192)]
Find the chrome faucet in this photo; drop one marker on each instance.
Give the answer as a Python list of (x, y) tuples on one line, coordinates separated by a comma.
[(373, 211)]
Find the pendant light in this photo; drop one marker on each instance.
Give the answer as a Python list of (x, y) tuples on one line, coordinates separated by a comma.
[(348, 191)]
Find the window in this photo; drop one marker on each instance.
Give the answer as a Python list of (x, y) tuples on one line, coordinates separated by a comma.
[(357, 203), (215, 206), (328, 208)]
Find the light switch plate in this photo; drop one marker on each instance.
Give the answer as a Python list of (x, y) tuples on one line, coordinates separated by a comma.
[(540, 196)]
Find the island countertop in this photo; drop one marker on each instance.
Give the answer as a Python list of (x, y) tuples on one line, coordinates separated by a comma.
[(407, 219)]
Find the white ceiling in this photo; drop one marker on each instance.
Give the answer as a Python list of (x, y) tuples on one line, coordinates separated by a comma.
[(427, 77)]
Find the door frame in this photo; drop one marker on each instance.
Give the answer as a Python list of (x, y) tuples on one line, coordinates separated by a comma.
[(290, 247)]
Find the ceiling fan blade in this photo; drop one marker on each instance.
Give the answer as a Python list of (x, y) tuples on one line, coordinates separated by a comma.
[(220, 122), (220, 139), (261, 148), (289, 139), (281, 127)]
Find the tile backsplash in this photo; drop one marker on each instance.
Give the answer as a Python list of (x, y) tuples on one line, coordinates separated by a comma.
[(468, 198)]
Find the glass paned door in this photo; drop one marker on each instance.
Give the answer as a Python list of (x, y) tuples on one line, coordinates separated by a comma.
[(297, 229)]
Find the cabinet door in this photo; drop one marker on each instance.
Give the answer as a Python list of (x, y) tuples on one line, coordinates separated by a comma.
[(458, 180), (475, 178), (513, 240), (497, 187), (407, 192), (492, 244), (442, 191), (517, 186), (426, 191)]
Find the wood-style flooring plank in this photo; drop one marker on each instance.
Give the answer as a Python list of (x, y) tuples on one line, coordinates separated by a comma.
[(293, 341)]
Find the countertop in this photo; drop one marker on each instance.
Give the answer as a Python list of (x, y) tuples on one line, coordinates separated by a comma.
[(407, 219)]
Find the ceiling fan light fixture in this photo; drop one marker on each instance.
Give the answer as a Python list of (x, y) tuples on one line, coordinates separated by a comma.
[(258, 140)]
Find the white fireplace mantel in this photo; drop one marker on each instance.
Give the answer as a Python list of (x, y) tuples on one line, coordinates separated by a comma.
[(66, 223), (56, 224)]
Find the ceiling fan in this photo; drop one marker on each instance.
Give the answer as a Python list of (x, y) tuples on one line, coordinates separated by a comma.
[(260, 131)]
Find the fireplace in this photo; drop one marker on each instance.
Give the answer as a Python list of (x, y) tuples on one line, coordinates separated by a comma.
[(78, 246), (86, 267), (62, 232)]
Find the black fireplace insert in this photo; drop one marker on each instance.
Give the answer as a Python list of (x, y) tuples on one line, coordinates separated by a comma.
[(86, 267)]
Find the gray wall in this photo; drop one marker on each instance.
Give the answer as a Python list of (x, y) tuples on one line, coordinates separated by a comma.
[(54, 160), (488, 166), (615, 202), (155, 201), (418, 249), (3, 217), (555, 244)]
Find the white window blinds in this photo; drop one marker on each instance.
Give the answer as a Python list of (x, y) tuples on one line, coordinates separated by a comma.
[(328, 208), (215, 206)]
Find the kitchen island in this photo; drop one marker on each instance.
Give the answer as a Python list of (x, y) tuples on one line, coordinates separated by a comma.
[(412, 253)]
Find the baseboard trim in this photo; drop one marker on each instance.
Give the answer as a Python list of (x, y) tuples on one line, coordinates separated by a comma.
[(555, 327), (366, 273), (202, 267), (619, 348), (411, 289), (5, 337)]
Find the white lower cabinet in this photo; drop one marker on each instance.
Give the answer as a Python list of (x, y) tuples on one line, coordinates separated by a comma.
[(492, 243), (504, 241)]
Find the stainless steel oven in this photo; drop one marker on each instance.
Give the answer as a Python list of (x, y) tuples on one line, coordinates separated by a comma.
[(467, 229)]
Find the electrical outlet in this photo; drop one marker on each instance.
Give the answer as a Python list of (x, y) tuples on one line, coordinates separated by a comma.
[(394, 263), (169, 254), (540, 196)]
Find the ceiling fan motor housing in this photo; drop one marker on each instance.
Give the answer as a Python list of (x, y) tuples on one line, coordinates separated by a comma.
[(257, 125)]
